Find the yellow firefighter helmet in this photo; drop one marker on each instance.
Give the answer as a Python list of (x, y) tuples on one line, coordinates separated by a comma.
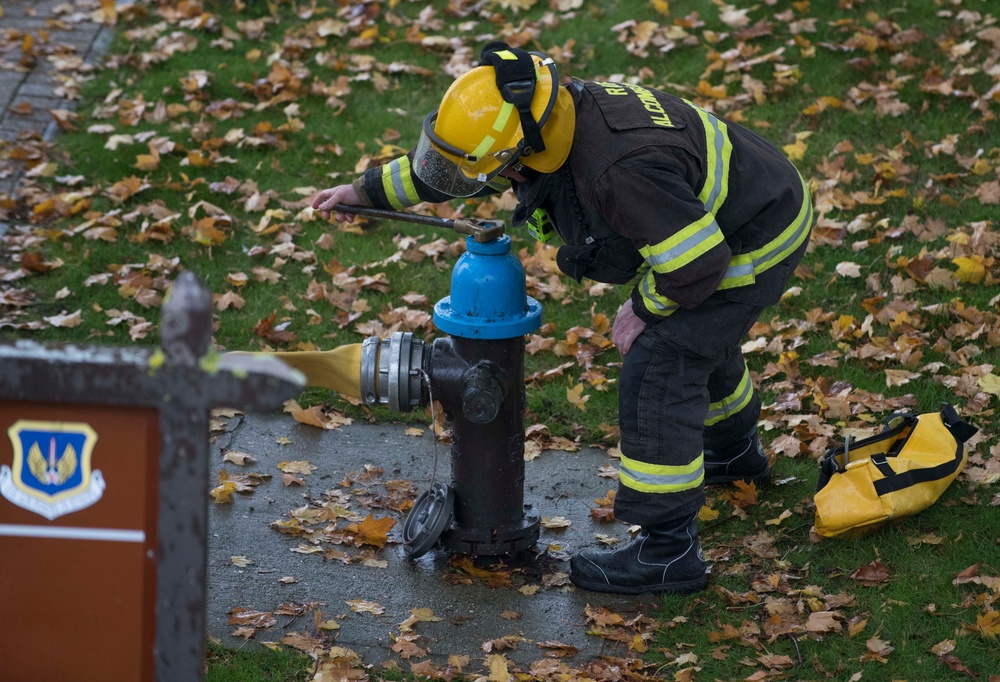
[(510, 110)]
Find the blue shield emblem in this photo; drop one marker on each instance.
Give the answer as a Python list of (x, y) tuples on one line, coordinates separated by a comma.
[(51, 473)]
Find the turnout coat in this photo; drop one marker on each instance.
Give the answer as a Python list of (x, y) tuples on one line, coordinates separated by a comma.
[(656, 192)]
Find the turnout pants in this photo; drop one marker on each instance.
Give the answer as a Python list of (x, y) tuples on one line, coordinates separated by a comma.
[(684, 388)]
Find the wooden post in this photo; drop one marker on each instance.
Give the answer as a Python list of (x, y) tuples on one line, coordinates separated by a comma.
[(104, 492)]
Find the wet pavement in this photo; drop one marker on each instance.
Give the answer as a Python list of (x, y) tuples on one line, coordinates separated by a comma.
[(356, 466)]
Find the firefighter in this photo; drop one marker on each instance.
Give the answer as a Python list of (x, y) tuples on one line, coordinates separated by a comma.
[(704, 219)]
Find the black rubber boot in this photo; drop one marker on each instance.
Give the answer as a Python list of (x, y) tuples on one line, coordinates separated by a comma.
[(744, 461), (661, 558)]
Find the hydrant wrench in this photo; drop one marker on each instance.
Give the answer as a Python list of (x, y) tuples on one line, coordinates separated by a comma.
[(479, 230)]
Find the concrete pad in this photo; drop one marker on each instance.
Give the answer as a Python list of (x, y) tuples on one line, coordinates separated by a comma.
[(556, 484)]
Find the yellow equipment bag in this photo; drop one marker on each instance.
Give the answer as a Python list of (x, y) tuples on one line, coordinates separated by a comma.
[(891, 475)]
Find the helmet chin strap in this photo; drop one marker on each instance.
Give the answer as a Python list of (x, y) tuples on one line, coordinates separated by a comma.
[(516, 79)]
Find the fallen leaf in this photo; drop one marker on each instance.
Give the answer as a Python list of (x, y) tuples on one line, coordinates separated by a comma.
[(297, 467), (238, 458), (362, 606), (556, 522), (576, 399), (871, 574), (824, 621), (373, 531)]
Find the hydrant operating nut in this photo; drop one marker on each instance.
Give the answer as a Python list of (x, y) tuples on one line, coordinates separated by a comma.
[(482, 395)]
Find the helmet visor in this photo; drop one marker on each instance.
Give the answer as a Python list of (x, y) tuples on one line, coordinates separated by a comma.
[(452, 171)]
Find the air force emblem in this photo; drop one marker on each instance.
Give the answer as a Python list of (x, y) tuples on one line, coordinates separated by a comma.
[(51, 473)]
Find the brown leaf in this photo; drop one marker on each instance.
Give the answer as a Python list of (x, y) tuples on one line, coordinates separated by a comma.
[(238, 458), (362, 606), (824, 621), (406, 647), (745, 494), (871, 574), (303, 641), (555, 649), (292, 479), (603, 617), (251, 618)]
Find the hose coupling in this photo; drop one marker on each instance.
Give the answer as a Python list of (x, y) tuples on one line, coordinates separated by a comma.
[(392, 372)]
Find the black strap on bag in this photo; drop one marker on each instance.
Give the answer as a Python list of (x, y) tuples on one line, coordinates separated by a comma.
[(833, 463), (516, 82), (962, 431)]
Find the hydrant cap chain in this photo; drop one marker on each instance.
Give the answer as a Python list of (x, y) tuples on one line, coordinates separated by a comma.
[(488, 295)]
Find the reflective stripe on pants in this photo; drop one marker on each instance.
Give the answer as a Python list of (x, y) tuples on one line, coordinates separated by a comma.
[(670, 378)]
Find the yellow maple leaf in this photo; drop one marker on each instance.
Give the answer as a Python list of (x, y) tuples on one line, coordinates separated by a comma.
[(148, 162), (223, 493), (706, 513), (374, 531), (781, 517), (576, 398), (706, 89), (989, 623), (297, 467), (796, 150), (498, 668), (362, 606), (970, 270), (990, 383)]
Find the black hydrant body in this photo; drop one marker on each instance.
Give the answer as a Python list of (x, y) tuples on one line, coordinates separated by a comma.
[(480, 383), (477, 374)]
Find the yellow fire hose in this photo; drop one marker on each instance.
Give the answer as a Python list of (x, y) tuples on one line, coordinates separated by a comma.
[(338, 369)]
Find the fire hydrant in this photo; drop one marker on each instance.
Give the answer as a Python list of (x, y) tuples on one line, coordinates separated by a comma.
[(477, 374)]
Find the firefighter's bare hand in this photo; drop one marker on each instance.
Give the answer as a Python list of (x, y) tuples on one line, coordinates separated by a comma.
[(328, 198), (626, 328)]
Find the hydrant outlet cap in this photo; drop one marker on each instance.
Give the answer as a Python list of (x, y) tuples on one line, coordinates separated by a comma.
[(429, 518)]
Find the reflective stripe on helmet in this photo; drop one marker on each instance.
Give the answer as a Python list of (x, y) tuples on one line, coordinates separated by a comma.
[(444, 174)]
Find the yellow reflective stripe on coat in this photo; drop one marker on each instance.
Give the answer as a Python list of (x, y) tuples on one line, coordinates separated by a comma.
[(654, 302), (398, 183), (744, 267), (679, 249), (660, 478), (719, 149), (732, 403)]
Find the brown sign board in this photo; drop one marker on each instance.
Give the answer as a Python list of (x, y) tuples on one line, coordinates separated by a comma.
[(83, 583), (103, 497)]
